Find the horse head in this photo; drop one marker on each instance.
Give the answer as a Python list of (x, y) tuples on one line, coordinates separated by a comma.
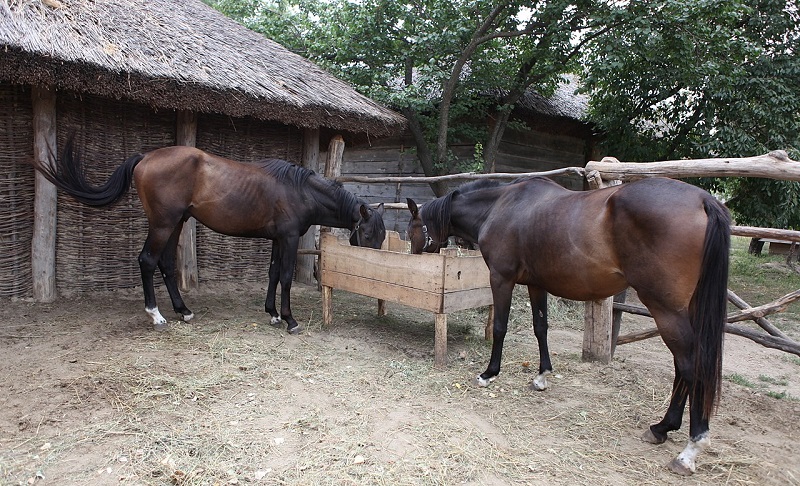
[(370, 230), (417, 231)]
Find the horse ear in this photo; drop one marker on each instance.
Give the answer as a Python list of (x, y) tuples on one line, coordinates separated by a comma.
[(379, 209), (412, 206), (364, 210)]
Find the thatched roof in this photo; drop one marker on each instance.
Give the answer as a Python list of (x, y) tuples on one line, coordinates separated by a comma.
[(176, 54), (563, 103)]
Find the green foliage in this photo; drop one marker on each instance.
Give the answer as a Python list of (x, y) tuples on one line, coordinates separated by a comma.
[(668, 78), (704, 78)]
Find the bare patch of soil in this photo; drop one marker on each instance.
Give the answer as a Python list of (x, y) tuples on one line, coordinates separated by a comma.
[(92, 395)]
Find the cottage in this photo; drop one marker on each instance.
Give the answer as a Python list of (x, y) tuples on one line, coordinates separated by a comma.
[(129, 76), (549, 133)]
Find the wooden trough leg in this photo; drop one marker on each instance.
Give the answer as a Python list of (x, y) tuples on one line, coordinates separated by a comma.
[(598, 330), (440, 342), (381, 307), (327, 305)]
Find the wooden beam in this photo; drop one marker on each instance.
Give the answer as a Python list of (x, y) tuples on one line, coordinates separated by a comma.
[(304, 272), (45, 204), (186, 261), (771, 233), (774, 165), (466, 176)]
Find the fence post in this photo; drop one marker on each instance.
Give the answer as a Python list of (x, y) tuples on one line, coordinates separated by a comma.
[(598, 333)]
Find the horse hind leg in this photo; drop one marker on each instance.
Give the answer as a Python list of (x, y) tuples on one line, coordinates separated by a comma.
[(166, 264), (148, 260), (676, 331)]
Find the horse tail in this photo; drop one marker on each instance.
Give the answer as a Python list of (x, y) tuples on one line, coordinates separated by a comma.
[(709, 309), (69, 175)]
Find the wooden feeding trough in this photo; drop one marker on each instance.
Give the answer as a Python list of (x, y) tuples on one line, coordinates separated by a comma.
[(445, 282)]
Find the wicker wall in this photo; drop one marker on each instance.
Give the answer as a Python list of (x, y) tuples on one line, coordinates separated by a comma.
[(97, 248), (226, 258), (16, 190)]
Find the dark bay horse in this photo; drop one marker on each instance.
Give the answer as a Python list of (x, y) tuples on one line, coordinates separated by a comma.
[(668, 240), (271, 199)]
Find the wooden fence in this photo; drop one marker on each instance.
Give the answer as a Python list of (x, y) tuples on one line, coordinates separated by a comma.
[(602, 318)]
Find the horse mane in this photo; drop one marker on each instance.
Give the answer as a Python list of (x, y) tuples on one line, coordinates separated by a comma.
[(298, 177), (478, 184), (286, 172)]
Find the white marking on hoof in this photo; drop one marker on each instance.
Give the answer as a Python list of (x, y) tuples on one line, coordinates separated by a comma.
[(484, 383), (684, 464), (158, 319), (540, 382), (187, 317)]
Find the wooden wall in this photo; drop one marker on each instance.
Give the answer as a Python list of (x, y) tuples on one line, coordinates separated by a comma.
[(546, 145), (97, 248)]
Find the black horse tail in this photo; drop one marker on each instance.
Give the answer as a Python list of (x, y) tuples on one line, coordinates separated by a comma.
[(709, 309), (69, 175)]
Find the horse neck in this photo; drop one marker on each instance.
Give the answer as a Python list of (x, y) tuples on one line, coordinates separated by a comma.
[(333, 206), (468, 212)]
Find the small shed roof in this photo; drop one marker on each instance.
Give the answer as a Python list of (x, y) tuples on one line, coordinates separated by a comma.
[(176, 54), (565, 102)]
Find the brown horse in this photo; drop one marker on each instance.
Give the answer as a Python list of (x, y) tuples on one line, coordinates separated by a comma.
[(270, 199), (666, 239)]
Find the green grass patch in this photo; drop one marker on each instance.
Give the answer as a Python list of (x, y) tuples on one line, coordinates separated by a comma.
[(740, 380)]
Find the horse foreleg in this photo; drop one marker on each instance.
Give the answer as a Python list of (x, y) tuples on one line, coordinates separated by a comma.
[(272, 286), (538, 299), (501, 296), (288, 260), (167, 266)]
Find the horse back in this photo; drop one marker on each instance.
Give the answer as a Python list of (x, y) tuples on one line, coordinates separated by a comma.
[(587, 245), (230, 197)]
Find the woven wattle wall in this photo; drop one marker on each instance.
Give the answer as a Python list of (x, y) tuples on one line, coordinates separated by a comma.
[(16, 190), (225, 258), (97, 248)]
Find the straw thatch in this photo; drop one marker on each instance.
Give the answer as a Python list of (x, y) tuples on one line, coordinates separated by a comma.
[(565, 102), (176, 54)]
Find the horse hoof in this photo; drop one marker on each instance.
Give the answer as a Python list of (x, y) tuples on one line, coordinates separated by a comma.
[(484, 382), (651, 438), (679, 467), (160, 327), (295, 330), (275, 322), (540, 382), (187, 317)]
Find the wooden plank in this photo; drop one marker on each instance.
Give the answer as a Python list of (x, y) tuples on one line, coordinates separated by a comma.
[(466, 299), (399, 294), (413, 271), (465, 272), (45, 203)]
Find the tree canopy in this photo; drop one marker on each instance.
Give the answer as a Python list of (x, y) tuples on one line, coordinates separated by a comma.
[(666, 78)]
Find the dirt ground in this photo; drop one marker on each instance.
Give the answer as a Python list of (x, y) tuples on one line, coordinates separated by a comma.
[(90, 394)]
